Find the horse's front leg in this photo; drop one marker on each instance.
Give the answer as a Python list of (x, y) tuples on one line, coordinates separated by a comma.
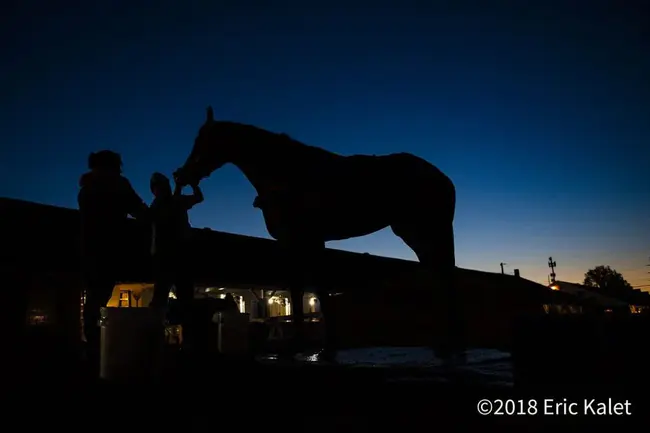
[(329, 317), (297, 341), (304, 261), (294, 268)]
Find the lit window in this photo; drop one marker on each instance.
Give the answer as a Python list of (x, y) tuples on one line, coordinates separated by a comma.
[(125, 298), (634, 309)]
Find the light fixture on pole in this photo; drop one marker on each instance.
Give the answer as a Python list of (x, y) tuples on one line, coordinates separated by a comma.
[(552, 265)]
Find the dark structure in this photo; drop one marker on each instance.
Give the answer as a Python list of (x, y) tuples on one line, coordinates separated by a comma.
[(633, 301), (310, 196), (380, 300)]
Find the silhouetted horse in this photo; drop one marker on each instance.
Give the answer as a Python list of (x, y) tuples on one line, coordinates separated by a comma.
[(309, 196)]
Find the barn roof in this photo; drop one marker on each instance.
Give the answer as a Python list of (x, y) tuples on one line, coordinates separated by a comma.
[(45, 238)]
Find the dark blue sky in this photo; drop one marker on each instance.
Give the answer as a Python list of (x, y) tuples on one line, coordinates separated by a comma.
[(540, 114)]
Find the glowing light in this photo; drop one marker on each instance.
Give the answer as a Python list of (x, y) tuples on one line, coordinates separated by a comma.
[(635, 309), (312, 301), (555, 288)]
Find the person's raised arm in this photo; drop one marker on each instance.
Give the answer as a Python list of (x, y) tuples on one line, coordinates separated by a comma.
[(195, 198), (178, 189)]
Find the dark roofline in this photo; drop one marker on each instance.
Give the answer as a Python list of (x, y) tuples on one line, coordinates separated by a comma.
[(229, 255)]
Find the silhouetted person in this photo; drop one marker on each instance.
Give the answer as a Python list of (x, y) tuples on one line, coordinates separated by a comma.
[(230, 303), (105, 200), (170, 247)]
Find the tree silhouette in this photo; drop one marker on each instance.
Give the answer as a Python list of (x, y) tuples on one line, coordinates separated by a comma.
[(606, 279)]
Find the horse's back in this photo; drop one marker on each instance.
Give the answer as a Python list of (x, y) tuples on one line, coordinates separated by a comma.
[(403, 165), (368, 175)]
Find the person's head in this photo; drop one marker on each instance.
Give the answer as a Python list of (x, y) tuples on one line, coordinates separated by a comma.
[(160, 186), (105, 160)]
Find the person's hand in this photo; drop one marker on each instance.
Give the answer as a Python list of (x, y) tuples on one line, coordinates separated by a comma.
[(179, 179)]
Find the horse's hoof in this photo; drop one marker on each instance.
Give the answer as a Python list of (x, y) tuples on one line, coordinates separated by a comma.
[(327, 356), (286, 356), (295, 346), (289, 353), (328, 353), (322, 356), (451, 357)]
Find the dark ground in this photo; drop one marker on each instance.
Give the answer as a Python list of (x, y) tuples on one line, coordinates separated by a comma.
[(245, 395), (47, 388)]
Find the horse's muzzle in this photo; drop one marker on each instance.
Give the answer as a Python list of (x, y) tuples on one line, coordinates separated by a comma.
[(181, 177), (178, 178)]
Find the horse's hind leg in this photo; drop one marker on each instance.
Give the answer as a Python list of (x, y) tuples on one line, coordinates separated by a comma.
[(329, 318), (433, 243)]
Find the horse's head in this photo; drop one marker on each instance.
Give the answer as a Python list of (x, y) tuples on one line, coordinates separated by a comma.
[(213, 147)]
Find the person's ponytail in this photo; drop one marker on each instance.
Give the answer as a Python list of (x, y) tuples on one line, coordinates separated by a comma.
[(92, 160)]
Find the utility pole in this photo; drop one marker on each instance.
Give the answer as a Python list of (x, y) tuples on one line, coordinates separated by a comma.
[(502, 264), (552, 265)]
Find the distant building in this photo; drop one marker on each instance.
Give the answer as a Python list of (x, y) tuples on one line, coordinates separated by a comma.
[(378, 297), (632, 301)]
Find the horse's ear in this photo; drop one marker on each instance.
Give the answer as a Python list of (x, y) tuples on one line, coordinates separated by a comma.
[(210, 115)]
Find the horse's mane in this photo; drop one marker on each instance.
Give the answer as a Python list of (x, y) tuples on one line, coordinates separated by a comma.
[(283, 145)]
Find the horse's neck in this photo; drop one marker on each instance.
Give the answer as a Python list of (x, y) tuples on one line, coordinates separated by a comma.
[(263, 174), (282, 165)]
